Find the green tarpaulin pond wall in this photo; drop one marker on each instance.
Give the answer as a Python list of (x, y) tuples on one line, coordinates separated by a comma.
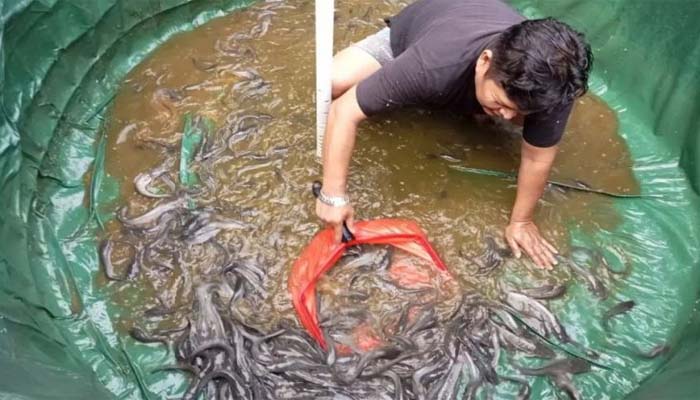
[(61, 62)]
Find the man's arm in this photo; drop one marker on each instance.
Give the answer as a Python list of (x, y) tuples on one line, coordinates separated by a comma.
[(343, 118), (522, 233), (398, 83)]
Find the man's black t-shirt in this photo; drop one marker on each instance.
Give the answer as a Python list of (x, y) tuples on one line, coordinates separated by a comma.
[(435, 44)]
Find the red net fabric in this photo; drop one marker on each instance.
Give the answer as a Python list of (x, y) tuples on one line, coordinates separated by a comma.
[(322, 253)]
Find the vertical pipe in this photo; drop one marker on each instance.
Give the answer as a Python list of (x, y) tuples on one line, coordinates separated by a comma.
[(324, 64)]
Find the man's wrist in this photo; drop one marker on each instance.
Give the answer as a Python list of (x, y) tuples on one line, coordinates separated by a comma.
[(519, 220), (334, 187)]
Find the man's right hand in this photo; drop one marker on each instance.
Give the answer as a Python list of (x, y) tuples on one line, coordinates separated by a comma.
[(334, 217)]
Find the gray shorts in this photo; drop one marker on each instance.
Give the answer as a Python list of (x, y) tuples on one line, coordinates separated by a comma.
[(378, 46)]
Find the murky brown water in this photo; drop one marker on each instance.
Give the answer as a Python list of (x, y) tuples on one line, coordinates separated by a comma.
[(395, 171)]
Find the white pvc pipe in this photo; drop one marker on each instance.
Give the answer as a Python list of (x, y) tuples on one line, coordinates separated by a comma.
[(324, 64)]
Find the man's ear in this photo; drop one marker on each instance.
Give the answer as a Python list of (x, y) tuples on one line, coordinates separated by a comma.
[(484, 62)]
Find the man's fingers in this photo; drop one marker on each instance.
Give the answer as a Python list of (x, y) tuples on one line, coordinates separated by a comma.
[(514, 247), (550, 247), (338, 232), (538, 255), (551, 256), (350, 222), (546, 252), (546, 256), (535, 257), (526, 238)]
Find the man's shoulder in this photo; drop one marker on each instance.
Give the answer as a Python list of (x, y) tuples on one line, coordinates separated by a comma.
[(449, 31), (478, 13)]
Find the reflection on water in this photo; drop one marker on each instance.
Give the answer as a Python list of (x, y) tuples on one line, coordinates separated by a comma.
[(259, 62)]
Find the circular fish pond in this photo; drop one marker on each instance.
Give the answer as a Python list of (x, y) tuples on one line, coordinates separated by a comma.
[(209, 162)]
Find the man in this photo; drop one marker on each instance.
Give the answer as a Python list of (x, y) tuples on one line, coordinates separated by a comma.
[(470, 56)]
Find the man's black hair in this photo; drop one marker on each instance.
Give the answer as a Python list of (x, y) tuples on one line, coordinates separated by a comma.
[(542, 64)]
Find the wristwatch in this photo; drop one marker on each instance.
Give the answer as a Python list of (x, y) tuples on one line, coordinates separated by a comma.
[(333, 201)]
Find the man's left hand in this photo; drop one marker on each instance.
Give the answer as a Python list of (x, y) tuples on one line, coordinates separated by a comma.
[(524, 236)]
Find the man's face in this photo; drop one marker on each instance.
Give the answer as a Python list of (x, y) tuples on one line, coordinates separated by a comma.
[(489, 93)]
